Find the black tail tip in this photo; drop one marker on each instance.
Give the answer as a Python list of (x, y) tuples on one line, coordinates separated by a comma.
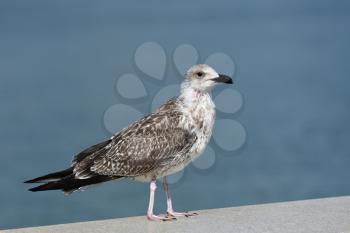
[(43, 187), (32, 190), (35, 180), (29, 181)]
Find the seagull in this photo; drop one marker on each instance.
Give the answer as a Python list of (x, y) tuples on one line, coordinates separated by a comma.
[(151, 148)]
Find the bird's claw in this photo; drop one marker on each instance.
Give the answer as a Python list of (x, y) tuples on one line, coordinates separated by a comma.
[(153, 217), (170, 216), (178, 214)]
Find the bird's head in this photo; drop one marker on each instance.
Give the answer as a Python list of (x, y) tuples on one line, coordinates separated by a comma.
[(203, 78)]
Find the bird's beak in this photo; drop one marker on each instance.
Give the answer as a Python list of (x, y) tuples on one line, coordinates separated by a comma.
[(223, 79)]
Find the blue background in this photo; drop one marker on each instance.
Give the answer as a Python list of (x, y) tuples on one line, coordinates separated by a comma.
[(58, 65)]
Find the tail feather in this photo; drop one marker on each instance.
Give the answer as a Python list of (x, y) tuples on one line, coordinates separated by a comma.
[(52, 176), (70, 183), (65, 180)]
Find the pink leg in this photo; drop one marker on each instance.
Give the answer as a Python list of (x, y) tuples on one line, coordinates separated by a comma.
[(150, 215), (170, 211)]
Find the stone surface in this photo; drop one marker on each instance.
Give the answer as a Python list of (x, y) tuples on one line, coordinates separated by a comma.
[(319, 215)]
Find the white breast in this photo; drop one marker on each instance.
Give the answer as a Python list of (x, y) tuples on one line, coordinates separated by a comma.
[(199, 117)]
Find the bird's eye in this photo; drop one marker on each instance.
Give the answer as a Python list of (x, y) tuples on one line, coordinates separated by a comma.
[(200, 74)]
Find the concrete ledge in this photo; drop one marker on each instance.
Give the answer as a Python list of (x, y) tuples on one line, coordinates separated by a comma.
[(331, 215)]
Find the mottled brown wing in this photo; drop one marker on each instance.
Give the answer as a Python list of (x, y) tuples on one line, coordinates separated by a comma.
[(144, 152), (148, 144)]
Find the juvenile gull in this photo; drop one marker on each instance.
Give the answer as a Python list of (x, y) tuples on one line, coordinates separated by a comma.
[(153, 147)]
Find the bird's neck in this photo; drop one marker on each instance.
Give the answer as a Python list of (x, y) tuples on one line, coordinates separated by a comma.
[(198, 111), (191, 97)]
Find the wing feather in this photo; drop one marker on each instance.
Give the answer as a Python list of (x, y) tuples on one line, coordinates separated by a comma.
[(148, 144)]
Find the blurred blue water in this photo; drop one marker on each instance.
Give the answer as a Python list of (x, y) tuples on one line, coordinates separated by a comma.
[(59, 61)]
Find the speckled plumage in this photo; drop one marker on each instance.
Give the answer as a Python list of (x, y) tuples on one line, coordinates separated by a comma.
[(153, 147)]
